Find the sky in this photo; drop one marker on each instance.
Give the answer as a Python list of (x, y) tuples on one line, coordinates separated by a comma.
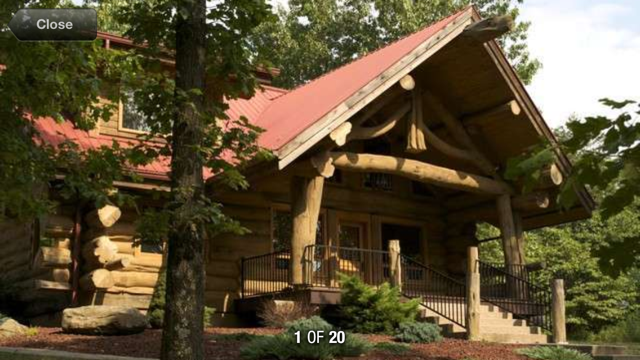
[(588, 49)]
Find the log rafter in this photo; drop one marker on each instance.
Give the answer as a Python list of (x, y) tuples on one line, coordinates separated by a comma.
[(419, 171)]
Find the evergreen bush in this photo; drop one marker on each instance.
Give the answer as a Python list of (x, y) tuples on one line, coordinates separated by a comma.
[(418, 332), (284, 346), (553, 353), (370, 310)]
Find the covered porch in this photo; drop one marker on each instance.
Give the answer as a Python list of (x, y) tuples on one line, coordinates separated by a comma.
[(390, 183)]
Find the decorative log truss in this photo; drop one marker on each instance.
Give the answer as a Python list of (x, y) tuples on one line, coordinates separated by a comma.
[(506, 209)]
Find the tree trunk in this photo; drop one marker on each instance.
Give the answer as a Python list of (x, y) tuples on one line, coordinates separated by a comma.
[(183, 317)]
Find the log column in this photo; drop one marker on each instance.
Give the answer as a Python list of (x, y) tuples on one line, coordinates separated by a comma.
[(306, 197), (473, 295), (511, 230), (395, 264), (558, 312)]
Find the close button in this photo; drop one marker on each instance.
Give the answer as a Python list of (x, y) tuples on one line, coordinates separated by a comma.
[(55, 24)]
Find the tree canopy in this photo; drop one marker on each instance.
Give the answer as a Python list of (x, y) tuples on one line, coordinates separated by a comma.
[(311, 38)]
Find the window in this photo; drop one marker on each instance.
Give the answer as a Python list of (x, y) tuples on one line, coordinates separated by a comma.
[(378, 181), (132, 118), (151, 248), (351, 236), (281, 225)]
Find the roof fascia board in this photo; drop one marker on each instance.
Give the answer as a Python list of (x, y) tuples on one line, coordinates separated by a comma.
[(344, 111), (531, 110)]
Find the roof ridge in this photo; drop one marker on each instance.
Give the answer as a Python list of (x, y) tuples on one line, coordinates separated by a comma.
[(300, 86)]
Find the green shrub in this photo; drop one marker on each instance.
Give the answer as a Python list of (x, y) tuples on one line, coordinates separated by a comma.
[(32, 331), (626, 331), (284, 346), (155, 314), (369, 310), (392, 348), (553, 353), (418, 332)]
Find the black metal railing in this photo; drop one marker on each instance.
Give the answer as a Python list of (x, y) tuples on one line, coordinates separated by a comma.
[(437, 292), (525, 300), (265, 274), (324, 263)]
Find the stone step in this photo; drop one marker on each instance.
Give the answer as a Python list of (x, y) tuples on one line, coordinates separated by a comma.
[(516, 330), (515, 339), (491, 321)]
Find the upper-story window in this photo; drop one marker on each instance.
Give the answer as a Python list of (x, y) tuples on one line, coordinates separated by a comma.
[(132, 118), (378, 181)]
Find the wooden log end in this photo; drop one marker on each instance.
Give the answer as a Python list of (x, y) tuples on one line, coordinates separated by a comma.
[(104, 217), (490, 28), (324, 164), (339, 135), (407, 82)]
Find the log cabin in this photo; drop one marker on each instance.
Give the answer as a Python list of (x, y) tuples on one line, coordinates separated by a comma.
[(383, 168)]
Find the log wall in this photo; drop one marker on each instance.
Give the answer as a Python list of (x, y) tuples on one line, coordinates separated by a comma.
[(131, 285)]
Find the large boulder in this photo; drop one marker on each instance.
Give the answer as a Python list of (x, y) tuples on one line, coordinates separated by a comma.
[(103, 320), (10, 327)]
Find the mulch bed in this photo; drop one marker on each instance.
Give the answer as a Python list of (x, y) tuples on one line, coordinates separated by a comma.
[(147, 345)]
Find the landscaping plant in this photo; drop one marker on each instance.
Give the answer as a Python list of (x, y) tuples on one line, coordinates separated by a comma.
[(284, 346), (371, 310), (626, 331), (392, 348), (418, 332), (277, 315), (553, 353)]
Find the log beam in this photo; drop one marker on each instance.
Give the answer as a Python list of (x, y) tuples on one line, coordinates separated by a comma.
[(99, 251), (487, 212), (371, 132), (306, 199), (511, 108), (419, 171), (459, 133), (488, 29)]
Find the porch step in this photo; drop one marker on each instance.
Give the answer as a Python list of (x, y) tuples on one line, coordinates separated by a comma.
[(496, 325)]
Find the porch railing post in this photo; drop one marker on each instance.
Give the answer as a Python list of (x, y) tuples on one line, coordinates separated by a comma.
[(473, 295), (242, 276), (558, 312), (395, 264)]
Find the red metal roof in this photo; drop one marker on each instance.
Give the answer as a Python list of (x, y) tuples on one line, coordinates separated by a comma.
[(55, 133), (283, 114), (292, 113)]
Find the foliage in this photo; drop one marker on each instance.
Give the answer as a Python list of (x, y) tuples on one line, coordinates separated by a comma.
[(553, 353), (594, 299), (418, 332), (367, 309), (605, 153), (32, 331), (155, 314), (284, 346), (625, 331), (311, 38), (278, 314), (392, 348)]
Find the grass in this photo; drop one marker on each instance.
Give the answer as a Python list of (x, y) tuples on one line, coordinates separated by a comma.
[(393, 348)]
